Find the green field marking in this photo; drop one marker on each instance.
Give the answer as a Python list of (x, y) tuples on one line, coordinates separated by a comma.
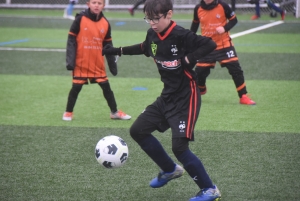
[(13, 42), (41, 100), (256, 66), (275, 39)]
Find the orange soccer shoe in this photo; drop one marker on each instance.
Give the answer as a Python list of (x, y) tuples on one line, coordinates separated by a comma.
[(245, 100), (67, 116), (283, 14), (120, 115), (131, 11), (254, 17)]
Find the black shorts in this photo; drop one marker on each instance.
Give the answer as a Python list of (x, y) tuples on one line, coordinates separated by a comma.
[(223, 56), (178, 114), (84, 80)]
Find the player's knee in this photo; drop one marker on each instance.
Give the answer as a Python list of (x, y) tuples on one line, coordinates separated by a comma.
[(234, 69), (179, 145), (108, 93), (202, 72), (198, 70), (105, 87), (135, 131)]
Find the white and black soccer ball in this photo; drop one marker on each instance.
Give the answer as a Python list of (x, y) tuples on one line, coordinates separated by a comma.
[(111, 152)]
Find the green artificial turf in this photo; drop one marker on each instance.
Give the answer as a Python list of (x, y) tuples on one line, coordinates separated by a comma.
[(58, 163), (251, 152)]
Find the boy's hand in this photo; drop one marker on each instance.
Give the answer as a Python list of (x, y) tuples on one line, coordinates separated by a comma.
[(220, 30), (187, 63), (109, 50), (112, 64)]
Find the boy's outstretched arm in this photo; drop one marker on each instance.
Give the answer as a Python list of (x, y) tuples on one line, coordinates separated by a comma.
[(128, 50), (207, 46)]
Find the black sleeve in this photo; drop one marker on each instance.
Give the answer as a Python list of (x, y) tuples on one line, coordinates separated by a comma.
[(111, 60), (231, 23), (207, 46), (75, 27), (72, 44), (108, 33), (195, 22), (133, 49), (112, 64), (230, 15), (71, 52), (197, 46), (136, 49)]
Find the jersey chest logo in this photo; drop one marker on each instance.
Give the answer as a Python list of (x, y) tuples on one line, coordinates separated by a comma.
[(174, 49), (153, 48)]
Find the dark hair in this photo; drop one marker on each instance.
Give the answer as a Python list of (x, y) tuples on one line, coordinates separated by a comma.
[(155, 7)]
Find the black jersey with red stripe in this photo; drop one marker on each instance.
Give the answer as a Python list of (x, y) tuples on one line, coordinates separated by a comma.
[(167, 49)]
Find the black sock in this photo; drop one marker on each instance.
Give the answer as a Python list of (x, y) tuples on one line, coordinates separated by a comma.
[(72, 98)]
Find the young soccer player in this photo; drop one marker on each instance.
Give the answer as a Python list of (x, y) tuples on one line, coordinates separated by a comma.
[(88, 34), (135, 6), (276, 8), (69, 10), (216, 19), (175, 51), (270, 5)]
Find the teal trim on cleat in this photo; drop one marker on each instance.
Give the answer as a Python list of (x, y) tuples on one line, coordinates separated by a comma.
[(163, 178), (208, 194)]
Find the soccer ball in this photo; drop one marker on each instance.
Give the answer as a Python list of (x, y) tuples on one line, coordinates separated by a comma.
[(273, 14), (111, 152)]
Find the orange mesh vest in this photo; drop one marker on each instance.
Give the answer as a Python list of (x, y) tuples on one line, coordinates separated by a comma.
[(209, 21), (89, 60)]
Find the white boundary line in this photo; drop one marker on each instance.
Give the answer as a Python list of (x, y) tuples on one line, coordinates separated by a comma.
[(63, 50), (256, 29)]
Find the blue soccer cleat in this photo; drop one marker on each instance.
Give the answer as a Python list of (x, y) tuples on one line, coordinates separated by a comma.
[(163, 178), (208, 194)]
